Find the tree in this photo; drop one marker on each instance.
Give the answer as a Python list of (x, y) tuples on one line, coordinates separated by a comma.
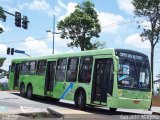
[(1, 30), (2, 61), (158, 89), (81, 26), (158, 76), (2, 17), (150, 10)]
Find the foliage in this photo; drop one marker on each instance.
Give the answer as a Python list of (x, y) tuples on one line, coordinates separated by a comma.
[(1, 30), (158, 76), (150, 10), (2, 17), (158, 89), (2, 61), (81, 26)]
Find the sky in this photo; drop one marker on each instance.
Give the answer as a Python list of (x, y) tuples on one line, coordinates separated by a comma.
[(119, 28)]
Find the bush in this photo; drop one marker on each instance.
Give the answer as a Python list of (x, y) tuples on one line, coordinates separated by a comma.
[(4, 86)]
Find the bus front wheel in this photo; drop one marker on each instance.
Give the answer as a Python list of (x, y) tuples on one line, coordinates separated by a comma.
[(22, 90), (29, 92), (56, 99), (80, 100)]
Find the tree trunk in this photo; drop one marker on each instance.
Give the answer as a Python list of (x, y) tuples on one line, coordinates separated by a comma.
[(83, 41), (82, 47), (152, 67)]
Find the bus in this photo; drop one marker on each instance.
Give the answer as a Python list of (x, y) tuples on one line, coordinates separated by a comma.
[(112, 78)]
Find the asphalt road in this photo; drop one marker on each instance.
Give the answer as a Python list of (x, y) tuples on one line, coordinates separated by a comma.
[(11, 102)]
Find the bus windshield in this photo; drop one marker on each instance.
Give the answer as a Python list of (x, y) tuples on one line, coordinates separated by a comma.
[(133, 74)]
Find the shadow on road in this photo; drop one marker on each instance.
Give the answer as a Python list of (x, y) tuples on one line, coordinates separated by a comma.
[(51, 101)]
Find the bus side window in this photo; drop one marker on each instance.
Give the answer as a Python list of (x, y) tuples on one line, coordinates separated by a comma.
[(61, 70), (41, 67), (24, 69), (85, 69), (72, 68), (32, 67)]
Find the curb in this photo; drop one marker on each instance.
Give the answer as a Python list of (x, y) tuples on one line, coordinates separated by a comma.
[(35, 115), (49, 109), (32, 115), (156, 113)]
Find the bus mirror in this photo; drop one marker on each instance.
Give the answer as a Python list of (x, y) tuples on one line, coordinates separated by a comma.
[(120, 71), (9, 68)]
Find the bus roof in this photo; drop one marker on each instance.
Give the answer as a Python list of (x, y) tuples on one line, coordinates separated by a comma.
[(109, 51), (70, 54)]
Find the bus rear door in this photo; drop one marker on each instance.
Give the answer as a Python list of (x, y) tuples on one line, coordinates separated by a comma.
[(49, 81), (102, 80), (16, 75), (60, 75)]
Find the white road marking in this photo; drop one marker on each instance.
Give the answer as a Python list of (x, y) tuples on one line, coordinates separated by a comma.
[(22, 109)]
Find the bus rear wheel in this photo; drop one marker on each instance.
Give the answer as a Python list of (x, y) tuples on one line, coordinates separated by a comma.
[(80, 100), (22, 90), (29, 92)]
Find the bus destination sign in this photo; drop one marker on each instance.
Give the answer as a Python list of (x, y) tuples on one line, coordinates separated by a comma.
[(131, 56)]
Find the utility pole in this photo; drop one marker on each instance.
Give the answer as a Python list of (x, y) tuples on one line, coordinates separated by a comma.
[(53, 32)]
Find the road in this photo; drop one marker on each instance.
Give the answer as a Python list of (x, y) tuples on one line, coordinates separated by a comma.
[(11, 102)]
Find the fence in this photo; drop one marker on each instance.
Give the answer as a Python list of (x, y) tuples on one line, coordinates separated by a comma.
[(156, 101)]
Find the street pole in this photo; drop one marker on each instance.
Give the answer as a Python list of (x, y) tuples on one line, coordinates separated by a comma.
[(53, 32), (14, 15)]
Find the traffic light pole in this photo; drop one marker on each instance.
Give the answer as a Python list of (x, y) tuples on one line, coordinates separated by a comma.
[(8, 12), (12, 51), (27, 55), (14, 15)]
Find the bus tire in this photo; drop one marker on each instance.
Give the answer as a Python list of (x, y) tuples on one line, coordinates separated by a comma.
[(80, 100), (22, 90), (112, 109), (56, 99), (29, 92)]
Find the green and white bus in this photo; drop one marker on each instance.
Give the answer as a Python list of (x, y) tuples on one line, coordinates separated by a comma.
[(113, 78)]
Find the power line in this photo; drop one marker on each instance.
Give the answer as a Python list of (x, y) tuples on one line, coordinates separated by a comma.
[(114, 24)]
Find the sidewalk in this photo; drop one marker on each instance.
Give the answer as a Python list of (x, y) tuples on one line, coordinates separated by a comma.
[(26, 113)]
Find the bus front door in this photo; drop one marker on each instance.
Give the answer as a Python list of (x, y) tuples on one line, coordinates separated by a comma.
[(102, 81), (49, 81), (16, 75)]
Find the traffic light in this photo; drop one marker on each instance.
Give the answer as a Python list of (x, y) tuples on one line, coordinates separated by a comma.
[(25, 22), (12, 51), (8, 51), (18, 19)]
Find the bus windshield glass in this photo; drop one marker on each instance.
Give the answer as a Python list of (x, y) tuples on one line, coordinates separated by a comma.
[(133, 70), (133, 74)]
